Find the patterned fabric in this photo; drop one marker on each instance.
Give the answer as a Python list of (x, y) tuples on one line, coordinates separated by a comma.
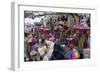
[(72, 54)]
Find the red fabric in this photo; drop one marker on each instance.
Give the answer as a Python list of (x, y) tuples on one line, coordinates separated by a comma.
[(71, 55)]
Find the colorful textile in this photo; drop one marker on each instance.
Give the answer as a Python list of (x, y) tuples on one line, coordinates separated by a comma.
[(72, 54)]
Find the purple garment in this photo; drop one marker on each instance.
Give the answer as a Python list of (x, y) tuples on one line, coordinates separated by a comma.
[(73, 55), (34, 47)]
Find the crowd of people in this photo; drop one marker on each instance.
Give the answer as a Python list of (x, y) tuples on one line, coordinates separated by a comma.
[(63, 38)]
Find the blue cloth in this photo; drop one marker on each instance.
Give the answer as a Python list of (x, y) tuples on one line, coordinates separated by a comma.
[(67, 54)]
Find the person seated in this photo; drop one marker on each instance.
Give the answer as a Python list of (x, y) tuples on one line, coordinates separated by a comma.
[(71, 52), (50, 48), (58, 52), (35, 56), (30, 41), (42, 49), (45, 49)]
